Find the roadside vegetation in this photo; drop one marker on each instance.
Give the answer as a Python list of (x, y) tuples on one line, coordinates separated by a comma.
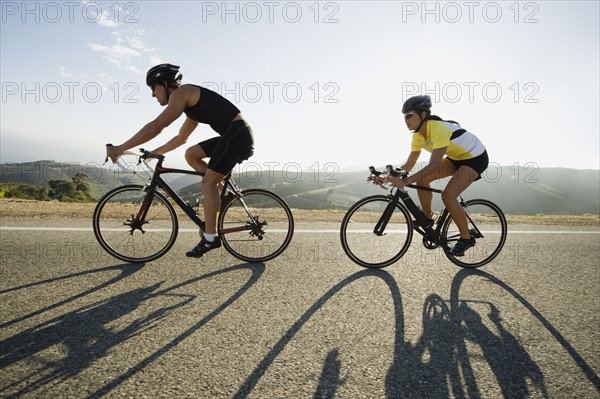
[(75, 190)]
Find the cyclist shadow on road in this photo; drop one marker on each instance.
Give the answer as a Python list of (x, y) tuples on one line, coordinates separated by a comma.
[(257, 269), (438, 364), (330, 379), (125, 270), (85, 335), (507, 358)]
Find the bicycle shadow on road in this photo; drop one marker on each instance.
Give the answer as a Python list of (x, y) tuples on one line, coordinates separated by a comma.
[(125, 270), (439, 364), (329, 380), (512, 378), (85, 336), (257, 269)]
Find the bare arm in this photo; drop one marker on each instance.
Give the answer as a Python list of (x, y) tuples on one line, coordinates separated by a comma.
[(184, 132), (432, 168), (175, 107), (410, 163)]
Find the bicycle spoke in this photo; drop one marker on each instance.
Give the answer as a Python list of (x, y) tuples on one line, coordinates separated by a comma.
[(487, 225), (374, 239), (256, 227), (119, 234)]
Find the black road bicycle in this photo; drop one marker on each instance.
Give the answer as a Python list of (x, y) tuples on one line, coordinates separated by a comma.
[(138, 223), (377, 230)]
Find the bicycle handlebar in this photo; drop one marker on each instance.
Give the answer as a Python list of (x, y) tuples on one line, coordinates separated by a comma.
[(143, 155), (389, 171), (149, 155)]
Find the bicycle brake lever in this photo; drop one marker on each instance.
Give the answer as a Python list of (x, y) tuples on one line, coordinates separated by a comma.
[(106, 159), (374, 172), (393, 171), (143, 156)]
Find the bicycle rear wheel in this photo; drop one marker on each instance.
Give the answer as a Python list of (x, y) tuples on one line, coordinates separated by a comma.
[(363, 245), (488, 226), (256, 227), (117, 231)]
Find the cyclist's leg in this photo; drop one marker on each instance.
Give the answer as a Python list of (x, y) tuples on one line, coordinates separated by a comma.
[(211, 204), (228, 151), (196, 154), (425, 197), (461, 180), (224, 156), (212, 201)]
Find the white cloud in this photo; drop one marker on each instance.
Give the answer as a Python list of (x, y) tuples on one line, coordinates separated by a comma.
[(128, 50), (117, 53), (118, 36), (72, 76), (155, 60), (106, 21), (101, 17), (137, 43), (104, 80), (135, 69)]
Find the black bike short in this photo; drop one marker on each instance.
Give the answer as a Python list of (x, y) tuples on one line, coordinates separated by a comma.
[(227, 150), (479, 164)]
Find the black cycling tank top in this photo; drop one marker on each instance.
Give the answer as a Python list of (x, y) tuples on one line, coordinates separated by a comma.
[(214, 110)]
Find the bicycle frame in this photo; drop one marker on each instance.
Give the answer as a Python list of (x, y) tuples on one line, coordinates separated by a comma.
[(428, 232), (157, 181)]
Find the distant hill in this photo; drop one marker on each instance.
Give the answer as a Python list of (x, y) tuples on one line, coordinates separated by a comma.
[(523, 190), (39, 173)]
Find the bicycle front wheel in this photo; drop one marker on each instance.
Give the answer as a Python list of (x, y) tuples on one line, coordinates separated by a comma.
[(487, 224), (256, 227), (122, 234), (359, 238)]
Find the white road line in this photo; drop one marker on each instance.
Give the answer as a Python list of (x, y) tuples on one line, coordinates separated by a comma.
[(298, 231), (17, 228), (307, 231)]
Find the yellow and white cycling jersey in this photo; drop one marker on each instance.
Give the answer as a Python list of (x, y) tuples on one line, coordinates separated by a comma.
[(461, 144)]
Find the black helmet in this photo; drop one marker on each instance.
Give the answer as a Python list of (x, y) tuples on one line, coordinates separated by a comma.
[(417, 103), (163, 73)]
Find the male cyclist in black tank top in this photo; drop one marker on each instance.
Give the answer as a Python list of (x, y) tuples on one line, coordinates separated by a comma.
[(201, 105)]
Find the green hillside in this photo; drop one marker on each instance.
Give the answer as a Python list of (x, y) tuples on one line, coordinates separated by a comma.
[(40, 173), (524, 191)]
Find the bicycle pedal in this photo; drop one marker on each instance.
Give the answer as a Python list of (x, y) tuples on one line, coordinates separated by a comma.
[(475, 233)]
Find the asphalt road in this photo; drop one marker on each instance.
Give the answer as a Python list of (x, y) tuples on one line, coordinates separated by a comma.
[(76, 323)]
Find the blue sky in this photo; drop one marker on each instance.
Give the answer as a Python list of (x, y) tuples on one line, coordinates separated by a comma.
[(322, 83)]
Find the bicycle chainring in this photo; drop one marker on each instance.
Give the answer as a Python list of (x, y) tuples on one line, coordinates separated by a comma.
[(429, 244)]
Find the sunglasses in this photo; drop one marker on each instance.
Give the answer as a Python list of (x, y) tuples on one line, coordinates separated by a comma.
[(408, 116)]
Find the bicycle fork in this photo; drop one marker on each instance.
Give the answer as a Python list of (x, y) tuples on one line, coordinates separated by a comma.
[(137, 221), (386, 216)]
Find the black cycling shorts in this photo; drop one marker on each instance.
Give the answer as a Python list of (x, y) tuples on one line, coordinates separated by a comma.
[(229, 149), (479, 164)]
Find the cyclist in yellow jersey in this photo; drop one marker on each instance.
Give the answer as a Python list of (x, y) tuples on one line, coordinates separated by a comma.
[(454, 152)]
